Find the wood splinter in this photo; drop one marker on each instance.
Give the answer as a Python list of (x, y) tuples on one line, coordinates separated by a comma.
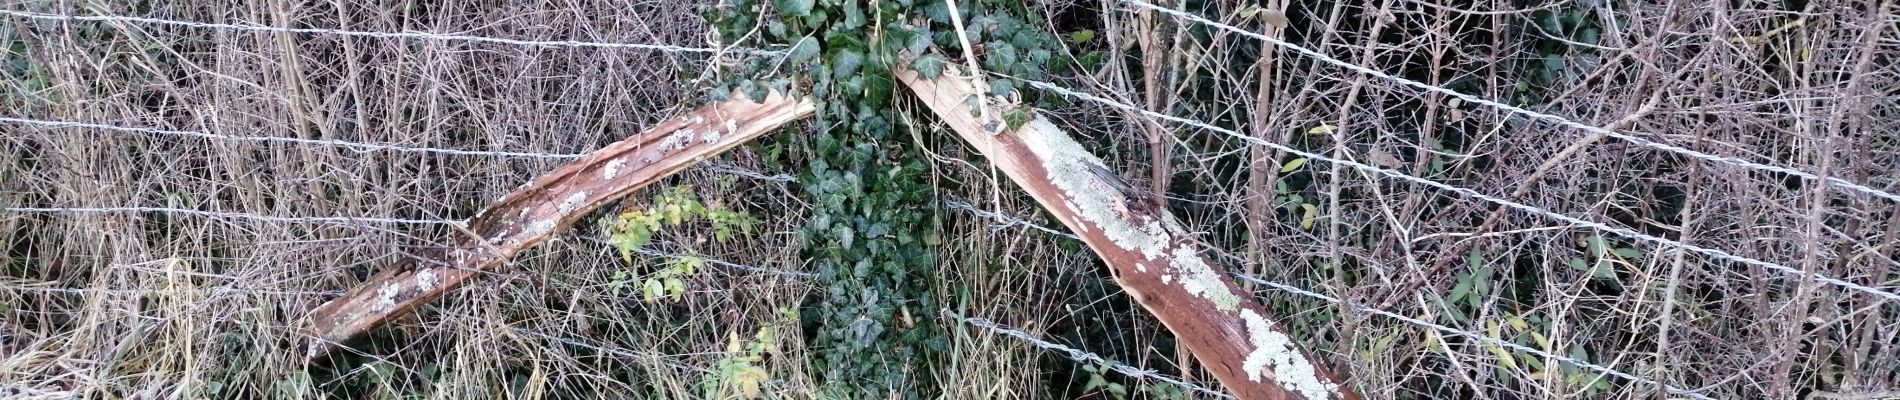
[(536, 211)]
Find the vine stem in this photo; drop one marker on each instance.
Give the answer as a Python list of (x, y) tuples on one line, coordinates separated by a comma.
[(982, 109)]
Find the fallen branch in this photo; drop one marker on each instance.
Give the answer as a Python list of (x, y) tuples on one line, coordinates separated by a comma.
[(1152, 257), (536, 211)]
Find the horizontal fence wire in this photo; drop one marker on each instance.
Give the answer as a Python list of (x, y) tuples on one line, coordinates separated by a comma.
[(1725, 160), (1007, 221), (225, 215), (1082, 356), (30, 288), (1002, 221), (667, 48), (361, 220), (655, 358), (1709, 252), (1414, 321), (359, 147)]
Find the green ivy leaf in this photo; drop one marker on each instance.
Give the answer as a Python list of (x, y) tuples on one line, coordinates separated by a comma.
[(846, 63), (929, 66), (796, 8), (804, 50)]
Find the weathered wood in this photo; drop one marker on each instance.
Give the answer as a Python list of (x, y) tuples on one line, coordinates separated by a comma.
[(1153, 258), (536, 211)]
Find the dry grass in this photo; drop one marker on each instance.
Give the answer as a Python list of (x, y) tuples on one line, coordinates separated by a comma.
[(154, 305)]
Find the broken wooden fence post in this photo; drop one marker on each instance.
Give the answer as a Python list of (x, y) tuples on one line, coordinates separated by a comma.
[(1154, 259), (539, 209)]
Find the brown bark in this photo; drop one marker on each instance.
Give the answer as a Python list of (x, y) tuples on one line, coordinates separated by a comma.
[(1152, 257), (539, 209)]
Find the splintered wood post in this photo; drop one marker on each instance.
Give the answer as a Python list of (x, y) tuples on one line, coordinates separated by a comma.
[(536, 211), (1153, 258)]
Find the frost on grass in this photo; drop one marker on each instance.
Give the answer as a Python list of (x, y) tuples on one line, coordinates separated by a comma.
[(1275, 352)]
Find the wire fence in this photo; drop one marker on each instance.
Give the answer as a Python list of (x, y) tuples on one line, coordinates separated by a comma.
[(667, 48), (1001, 221), (1709, 252), (1081, 356), (1730, 161), (1004, 221), (1477, 336)]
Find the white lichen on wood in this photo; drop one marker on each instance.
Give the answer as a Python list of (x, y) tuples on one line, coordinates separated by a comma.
[(573, 201), (425, 279), (677, 140), (613, 169), (1200, 279), (1275, 352), (386, 296), (538, 228), (1072, 169)]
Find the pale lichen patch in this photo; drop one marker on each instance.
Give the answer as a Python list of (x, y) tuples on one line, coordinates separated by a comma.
[(1073, 171), (572, 202), (613, 169), (1276, 353), (676, 141), (1199, 279), (425, 279), (732, 125), (709, 137), (386, 296), (540, 227)]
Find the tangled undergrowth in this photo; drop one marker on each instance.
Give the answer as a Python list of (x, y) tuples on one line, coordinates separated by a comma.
[(836, 290)]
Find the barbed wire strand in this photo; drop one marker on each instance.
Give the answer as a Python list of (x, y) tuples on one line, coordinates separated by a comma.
[(261, 217), (1002, 221), (360, 147), (1476, 336), (1414, 321), (1082, 356), (386, 35), (1710, 252), (229, 215), (629, 353), (1732, 161), (213, 291), (363, 147)]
